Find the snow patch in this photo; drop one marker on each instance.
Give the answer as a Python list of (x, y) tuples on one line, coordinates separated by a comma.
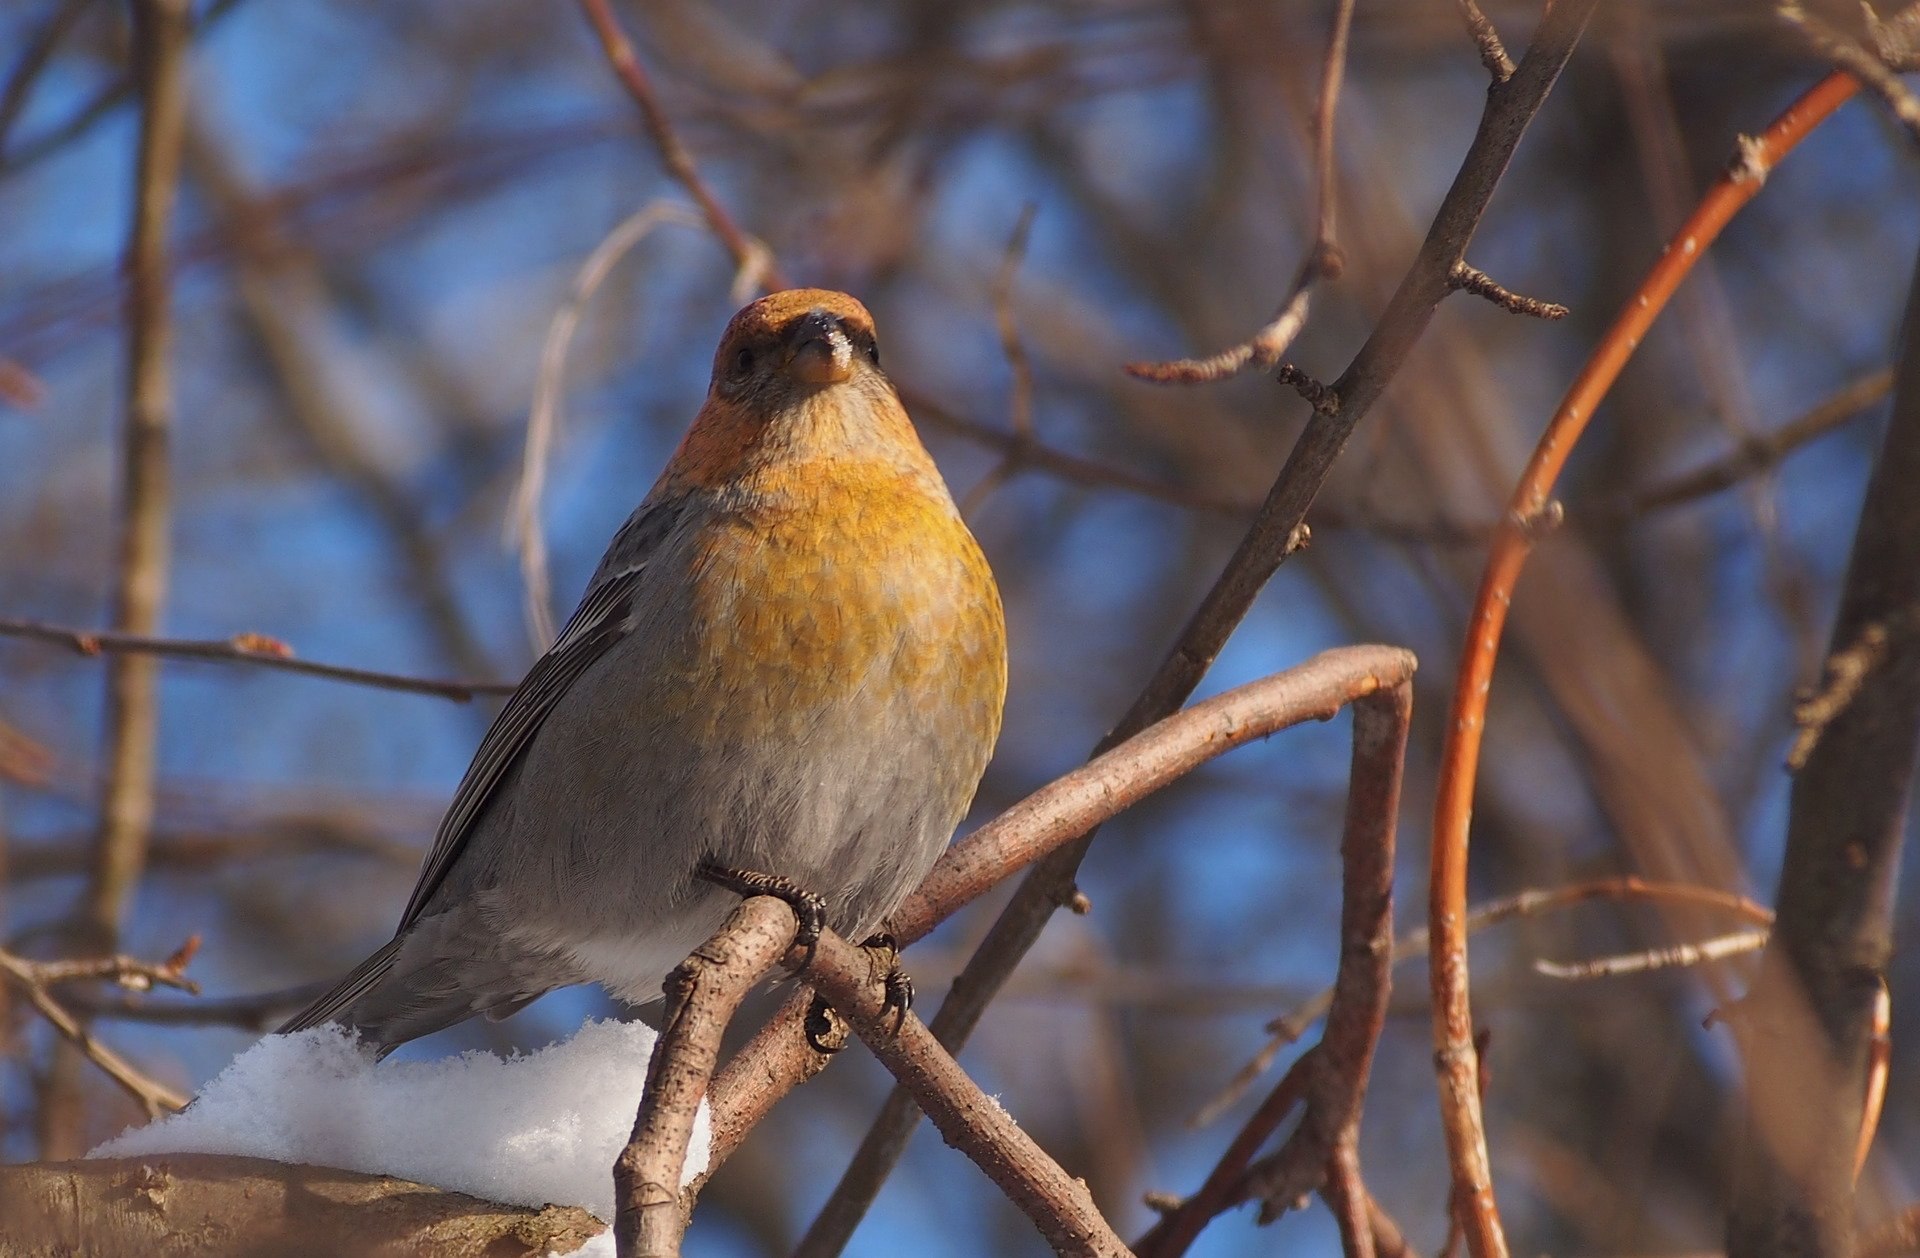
[(532, 1130)]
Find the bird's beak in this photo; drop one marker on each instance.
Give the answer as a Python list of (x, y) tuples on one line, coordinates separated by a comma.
[(821, 353)]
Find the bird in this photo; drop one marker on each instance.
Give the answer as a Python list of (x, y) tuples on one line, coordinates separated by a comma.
[(786, 674)]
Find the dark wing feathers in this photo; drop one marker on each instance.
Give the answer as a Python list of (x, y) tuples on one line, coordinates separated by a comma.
[(605, 615), (602, 619)]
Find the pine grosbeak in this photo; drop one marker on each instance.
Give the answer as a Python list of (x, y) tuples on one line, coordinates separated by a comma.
[(791, 663)]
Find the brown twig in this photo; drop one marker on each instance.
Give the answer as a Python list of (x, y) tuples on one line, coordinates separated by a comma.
[(1323, 261), (702, 994), (1649, 959), (1336, 1069), (778, 1059), (1493, 53), (243, 648), (543, 418), (1454, 1058), (1289, 1027), (754, 262), (1057, 1204), (33, 979), (126, 802), (1471, 279)]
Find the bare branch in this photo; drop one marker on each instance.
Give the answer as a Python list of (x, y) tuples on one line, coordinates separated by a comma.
[(543, 419), (1472, 279), (31, 979), (754, 261), (702, 994), (1323, 261), (243, 648), (1493, 53)]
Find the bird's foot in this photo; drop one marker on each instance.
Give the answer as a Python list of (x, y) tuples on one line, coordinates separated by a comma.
[(809, 908), (886, 951), (825, 1029)]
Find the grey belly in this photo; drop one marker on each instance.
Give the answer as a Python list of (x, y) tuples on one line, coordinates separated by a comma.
[(586, 857)]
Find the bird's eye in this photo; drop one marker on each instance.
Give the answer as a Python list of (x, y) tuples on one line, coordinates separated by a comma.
[(742, 361), (873, 351)]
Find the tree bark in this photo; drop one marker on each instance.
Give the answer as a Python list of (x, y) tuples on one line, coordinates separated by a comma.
[(1806, 1029), (209, 1206)]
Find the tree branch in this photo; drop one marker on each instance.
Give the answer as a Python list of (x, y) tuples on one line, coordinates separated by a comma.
[(1807, 1030)]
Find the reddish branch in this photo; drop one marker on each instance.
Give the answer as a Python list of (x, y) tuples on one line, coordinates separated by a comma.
[(1454, 1057)]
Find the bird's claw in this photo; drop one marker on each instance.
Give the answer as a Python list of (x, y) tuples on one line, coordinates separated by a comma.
[(825, 1029), (808, 907), (899, 987)]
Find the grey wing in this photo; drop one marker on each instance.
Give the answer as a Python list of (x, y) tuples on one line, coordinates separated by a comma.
[(603, 618)]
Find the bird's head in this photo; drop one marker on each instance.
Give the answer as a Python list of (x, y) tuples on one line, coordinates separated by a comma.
[(796, 378), (789, 346)]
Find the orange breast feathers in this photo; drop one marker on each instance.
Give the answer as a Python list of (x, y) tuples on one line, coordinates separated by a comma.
[(850, 575)]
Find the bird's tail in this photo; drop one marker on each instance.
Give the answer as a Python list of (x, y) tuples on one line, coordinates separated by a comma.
[(331, 1006)]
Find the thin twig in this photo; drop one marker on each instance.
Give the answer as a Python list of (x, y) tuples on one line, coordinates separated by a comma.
[(1323, 261), (1648, 960), (1289, 1027), (543, 419), (752, 260), (31, 979), (1058, 1205), (1471, 279), (243, 648), (1493, 53), (1335, 1070), (1455, 1061)]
